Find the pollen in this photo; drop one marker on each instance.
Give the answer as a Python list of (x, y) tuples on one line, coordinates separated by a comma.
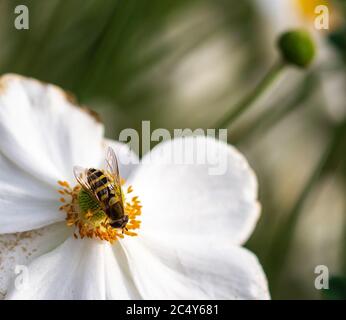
[(88, 219)]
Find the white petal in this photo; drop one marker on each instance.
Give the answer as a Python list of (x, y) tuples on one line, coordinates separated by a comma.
[(43, 132), (194, 270), (216, 194), (127, 159), (21, 248), (74, 270), (78, 269), (26, 203), (119, 282)]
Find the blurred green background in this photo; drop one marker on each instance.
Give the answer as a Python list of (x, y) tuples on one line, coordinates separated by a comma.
[(184, 64)]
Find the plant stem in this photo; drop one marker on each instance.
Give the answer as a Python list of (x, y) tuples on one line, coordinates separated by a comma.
[(343, 244), (283, 239), (272, 116), (244, 104)]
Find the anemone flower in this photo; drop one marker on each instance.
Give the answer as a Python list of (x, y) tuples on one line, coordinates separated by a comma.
[(186, 226)]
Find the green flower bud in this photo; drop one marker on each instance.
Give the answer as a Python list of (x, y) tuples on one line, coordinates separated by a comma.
[(297, 48)]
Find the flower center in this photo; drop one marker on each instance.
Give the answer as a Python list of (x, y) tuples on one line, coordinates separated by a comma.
[(88, 218)]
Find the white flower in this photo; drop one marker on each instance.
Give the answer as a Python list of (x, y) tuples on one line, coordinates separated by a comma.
[(193, 223)]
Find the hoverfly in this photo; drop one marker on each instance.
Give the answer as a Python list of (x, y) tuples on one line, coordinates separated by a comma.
[(105, 188)]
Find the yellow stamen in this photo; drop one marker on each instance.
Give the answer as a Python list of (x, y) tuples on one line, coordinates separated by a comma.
[(94, 223), (64, 184)]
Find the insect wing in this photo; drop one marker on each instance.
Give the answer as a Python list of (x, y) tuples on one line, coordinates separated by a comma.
[(112, 165), (113, 169), (81, 176)]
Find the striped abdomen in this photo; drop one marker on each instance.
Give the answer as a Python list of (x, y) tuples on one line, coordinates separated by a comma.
[(100, 184), (105, 192)]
